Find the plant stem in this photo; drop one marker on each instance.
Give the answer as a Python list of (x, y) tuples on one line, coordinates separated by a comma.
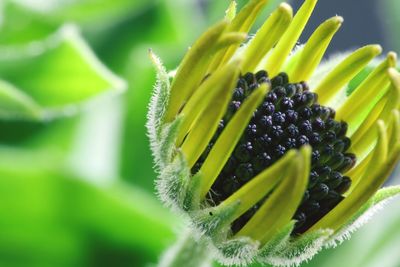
[(187, 252)]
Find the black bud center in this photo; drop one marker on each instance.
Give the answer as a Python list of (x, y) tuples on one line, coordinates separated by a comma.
[(288, 118)]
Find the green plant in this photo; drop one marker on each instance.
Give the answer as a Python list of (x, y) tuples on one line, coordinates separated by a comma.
[(308, 198)]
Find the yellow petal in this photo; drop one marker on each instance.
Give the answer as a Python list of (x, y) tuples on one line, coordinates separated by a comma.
[(208, 90), (314, 50), (363, 140), (268, 35), (288, 41), (230, 13), (345, 72), (359, 104), (373, 178), (228, 139), (229, 39), (394, 129), (281, 205), (193, 69), (205, 127), (258, 187), (241, 23)]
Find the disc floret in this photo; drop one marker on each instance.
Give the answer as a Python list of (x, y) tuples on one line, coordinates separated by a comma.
[(288, 118)]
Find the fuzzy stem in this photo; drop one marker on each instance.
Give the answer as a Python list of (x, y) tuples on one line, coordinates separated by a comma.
[(187, 252)]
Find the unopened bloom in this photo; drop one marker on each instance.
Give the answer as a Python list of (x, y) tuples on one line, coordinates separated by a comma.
[(271, 154)]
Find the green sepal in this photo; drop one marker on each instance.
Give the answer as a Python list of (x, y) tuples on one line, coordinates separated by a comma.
[(299, 249), (364, 214), (159, 100), (168, 137), (215, 222), (238, 251), (276, 242), (192, 196), (173, 181)]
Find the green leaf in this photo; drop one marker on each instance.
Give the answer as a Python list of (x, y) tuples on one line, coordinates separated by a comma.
[(60, 74), (87, 12), (14, 103), (24, 21), (166, 23), (21, 25), (52, 219)]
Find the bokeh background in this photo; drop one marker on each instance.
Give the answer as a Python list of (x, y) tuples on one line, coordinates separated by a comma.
[(76, 177)]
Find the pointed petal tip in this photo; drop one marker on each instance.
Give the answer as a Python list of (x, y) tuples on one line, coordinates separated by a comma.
[(339, 19), (335, 21), (393, 72), (394, 76), (332, 24), (288, 40), (306, 149), (392, 59), (223, 23), (291, 153), (304, 159), (286, 8), (376, 49), (230, 13), (244, 35), (381, 126), (262, 90)]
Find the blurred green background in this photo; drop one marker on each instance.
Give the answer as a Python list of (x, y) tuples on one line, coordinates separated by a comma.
[(76, 177)]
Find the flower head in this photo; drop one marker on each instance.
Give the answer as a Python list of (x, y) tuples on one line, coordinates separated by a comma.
[(270, 153)]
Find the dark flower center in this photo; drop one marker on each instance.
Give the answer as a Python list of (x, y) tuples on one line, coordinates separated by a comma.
[(288, 118)]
